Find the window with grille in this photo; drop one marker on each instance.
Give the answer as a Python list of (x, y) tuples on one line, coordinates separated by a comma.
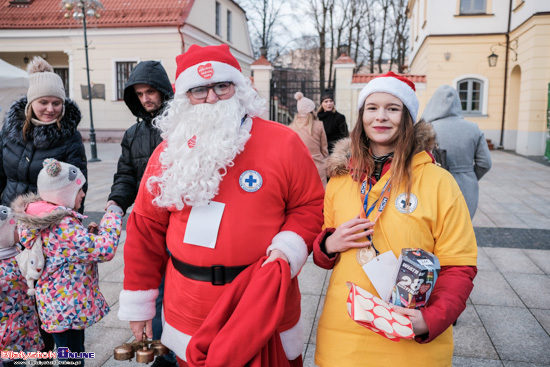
[(123, 70), (470, 93), (473, 6), (64, 75), (229, 25), (218, 19)]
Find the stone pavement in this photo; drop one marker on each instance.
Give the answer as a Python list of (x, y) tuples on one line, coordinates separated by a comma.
[(507, 320)]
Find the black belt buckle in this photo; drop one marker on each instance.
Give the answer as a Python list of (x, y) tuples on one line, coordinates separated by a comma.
[(218, 274)]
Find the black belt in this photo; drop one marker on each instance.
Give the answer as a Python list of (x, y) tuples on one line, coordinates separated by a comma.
[(215, 274)]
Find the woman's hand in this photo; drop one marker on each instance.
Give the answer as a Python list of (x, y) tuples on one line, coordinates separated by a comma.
[(347, 233), (419, 325)]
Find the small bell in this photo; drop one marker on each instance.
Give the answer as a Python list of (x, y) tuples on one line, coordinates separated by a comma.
[(124, 352), (145, 355), (158, 348)]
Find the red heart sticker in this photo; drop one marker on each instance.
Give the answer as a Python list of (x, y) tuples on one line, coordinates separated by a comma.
[(206, 71), (192, 142)]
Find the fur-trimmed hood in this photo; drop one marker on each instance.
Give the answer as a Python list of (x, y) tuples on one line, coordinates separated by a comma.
[(45, 136), (44, 220), (338, 161)]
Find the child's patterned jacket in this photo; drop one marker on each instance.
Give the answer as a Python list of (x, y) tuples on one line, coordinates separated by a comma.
[(18, 320), (67, 293)]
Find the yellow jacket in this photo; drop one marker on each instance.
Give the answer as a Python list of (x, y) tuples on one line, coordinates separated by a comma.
[(437, 221)]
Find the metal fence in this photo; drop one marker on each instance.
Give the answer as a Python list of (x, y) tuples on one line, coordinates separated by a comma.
[(284, 84)]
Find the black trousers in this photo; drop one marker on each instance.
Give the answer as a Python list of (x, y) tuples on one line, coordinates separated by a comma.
[(72, 339)]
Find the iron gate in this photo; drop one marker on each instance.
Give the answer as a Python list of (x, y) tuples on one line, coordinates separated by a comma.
[(285, 83)]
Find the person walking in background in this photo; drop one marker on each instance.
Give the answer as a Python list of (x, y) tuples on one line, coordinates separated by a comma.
[(146, 94), (41, 125), (468, 156), (384, 173), (67, 292), (312, 133), (333, 122)]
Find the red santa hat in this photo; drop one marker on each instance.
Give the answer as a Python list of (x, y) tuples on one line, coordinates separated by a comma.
[(206, 65), (395, 85)]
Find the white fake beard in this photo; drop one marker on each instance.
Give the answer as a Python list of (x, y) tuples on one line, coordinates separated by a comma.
[(192, 175)]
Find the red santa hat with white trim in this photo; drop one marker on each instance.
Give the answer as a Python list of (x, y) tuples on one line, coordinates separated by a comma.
[(396, 85), (200, 66)]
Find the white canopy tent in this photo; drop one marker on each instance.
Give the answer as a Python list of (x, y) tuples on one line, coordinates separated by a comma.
[(14, 83)]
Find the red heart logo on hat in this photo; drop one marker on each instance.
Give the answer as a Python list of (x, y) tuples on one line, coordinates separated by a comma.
[(206, 71), (192, 142)]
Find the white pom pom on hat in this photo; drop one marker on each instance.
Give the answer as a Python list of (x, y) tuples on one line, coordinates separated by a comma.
[(59, 182), (304, 105), (396, 85)]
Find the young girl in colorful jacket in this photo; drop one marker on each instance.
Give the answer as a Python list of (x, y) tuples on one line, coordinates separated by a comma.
[(18, 319), (67, 292)]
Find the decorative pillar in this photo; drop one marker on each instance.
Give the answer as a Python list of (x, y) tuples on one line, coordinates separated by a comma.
[(344, 98), (261, 74)]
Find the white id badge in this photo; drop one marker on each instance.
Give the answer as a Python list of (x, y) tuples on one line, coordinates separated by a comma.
[(203, 224), (381, 272)]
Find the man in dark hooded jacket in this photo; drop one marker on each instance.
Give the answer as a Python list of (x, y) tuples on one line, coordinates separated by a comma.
[(146, 93)]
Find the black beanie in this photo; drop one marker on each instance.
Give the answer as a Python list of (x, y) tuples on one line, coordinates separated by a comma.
[(328, 93)]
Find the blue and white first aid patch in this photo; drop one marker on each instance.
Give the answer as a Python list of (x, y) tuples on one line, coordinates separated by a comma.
[(404, 207), (250, 181)]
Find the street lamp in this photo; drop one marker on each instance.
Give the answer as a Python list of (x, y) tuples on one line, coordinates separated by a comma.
[(80, 10), (509, 46)]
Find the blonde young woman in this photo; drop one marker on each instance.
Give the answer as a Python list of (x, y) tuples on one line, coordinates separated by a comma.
[(424, 208), (312, 133), (41, 125)]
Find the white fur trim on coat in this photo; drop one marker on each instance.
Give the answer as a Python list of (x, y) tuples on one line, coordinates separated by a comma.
[(177, 341), (394, 87), (293, 340), (293, 246), (137, 305), (221, 72)]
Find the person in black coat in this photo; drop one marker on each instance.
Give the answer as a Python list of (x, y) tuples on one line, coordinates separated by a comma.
[(146, 94), (334, 122), (41, 125)]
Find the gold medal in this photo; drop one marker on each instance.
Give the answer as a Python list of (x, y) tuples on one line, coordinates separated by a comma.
[(365, 254)]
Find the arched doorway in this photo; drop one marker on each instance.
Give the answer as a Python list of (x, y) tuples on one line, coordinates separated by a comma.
[(512, 109)]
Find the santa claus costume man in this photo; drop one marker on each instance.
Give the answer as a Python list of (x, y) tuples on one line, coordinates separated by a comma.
[(223, 190)]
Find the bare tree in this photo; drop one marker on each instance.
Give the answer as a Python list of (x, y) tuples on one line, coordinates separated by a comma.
[(401, 35), (384, 4), (264, 17), (319, 11)]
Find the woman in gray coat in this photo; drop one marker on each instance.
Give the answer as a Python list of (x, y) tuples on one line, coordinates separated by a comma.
[(468, 155)]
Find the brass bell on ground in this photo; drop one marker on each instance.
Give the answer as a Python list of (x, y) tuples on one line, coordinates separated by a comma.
[(158, 348), (145, 355), (124, 352)]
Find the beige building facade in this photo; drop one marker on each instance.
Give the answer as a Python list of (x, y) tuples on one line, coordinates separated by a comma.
[(126, 37), (450, 44)]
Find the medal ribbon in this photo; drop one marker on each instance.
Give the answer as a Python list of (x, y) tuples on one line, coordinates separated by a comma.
[(383, 198)]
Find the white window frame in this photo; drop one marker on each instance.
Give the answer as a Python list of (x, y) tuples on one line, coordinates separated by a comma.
[(218, 18), (114, 81), (229, 25), (483, 11), (484, 91)]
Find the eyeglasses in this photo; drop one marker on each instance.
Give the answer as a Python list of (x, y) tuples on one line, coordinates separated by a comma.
[(221, 89)]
